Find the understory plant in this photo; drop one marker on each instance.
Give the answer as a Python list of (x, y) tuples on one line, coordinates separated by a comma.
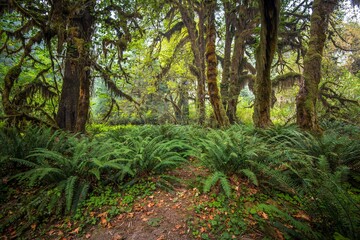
[(226, 153)]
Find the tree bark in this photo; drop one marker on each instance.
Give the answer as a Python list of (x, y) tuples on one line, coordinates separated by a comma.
[(306, 116), (240, 24), (75, 96), (269, 11), (196, 34), (224, 86), (234, 88), (211, 74)]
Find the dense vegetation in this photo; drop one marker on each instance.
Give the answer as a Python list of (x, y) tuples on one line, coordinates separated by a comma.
[(307, 185), (105, 103)]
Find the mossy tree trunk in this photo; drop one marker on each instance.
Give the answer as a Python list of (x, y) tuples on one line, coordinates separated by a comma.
[(306, 116), (269, 11), (240, 24), (224, 86), (196, 33), (211, 74), (75, 95)]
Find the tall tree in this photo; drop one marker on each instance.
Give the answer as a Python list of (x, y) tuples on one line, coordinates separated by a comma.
[(240, 23), (75, 95), (306, 116), (196, 31), (269, 11), (211, 61)]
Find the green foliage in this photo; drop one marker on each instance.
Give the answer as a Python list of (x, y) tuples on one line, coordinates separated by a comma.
[(18, 144), (221, 218), (230, 152), (154, 155), (288, 225), (317, 168), (66, 177), (218, 177)]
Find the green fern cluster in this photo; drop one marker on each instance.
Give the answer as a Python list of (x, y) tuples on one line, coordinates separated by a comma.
[(148, 155), (15, 143), (229, 152), (316, 169)]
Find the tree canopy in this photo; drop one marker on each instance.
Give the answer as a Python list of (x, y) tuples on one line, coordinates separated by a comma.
[(67, 63)]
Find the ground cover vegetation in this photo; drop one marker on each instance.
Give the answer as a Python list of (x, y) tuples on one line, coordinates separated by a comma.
[(179, 119)]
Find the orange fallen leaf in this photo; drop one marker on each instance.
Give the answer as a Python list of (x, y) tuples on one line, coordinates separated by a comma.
[(117, 237), (103, 221), (302, 215), (279, 236), (104, 214), (88, 235), (33, 226), (162, 237), (263, 215), (75, 231)]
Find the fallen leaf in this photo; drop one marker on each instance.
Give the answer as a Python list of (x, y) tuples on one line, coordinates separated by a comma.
[(162, 237), (178, 226), (149, 213), (117, 236), (75, 231), (302, 215), (279, 236), (151, 204), (88, 235), (103, 221), (33, 226), (202, 230), (263, 215), (104, 214)]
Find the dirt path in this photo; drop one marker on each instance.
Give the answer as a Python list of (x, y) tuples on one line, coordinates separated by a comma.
[(161, 216)]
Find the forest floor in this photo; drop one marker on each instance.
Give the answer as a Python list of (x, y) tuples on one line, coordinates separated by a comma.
[(163, 215)]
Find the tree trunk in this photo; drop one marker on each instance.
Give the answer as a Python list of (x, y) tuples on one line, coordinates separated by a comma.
[(11, 76), (211, 60), (224, 86), (306, 100), (197, 42), (241, 20), (269, 11), (75, 96), (68, 105), (234, 88)]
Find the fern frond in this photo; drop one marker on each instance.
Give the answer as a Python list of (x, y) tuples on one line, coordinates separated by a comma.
[(69, 191), (250, 175), (211, 181)]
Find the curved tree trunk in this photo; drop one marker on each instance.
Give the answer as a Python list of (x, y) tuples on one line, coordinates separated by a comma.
[(269, 11), (211, 61), (224, 86), (306, 100), (74, 102), (196, 34), (240, 24)]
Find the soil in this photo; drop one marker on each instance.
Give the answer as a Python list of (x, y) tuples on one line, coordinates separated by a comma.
[(161, 216)]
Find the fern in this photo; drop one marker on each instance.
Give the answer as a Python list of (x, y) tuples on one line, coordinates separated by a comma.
[(69, 191), (216, 177), (250, 175), (282, 220)]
